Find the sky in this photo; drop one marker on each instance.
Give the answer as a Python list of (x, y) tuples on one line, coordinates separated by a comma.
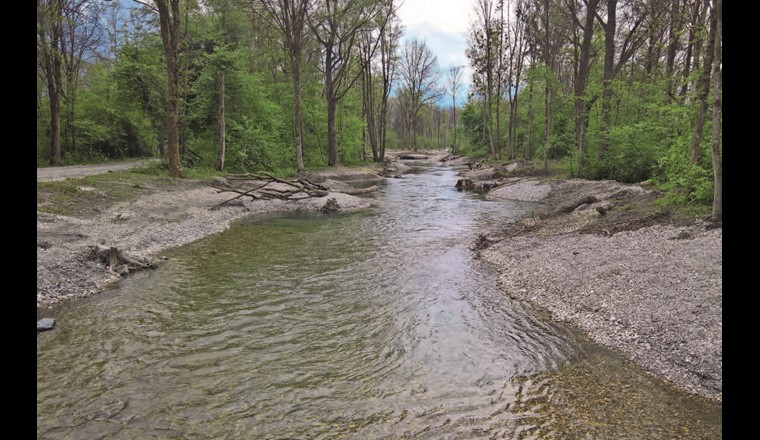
[(442, 24)]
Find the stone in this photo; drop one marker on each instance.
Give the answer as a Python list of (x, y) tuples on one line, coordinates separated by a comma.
[(331, 205), (219, 181), (45, 324), (121, 270)]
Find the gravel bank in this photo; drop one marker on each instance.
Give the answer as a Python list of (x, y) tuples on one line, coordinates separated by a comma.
[(618, 270), (141, 229)]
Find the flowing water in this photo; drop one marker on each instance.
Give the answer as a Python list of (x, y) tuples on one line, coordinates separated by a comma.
[(379, 324)]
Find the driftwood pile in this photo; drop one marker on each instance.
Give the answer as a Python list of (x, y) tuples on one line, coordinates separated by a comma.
[(266, 187)]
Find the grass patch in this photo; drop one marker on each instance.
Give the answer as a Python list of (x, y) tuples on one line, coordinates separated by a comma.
[(86, 196), (681, 209)]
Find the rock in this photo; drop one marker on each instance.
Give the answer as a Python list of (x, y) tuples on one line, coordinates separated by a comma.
[(219, 181), (331, 205), (45, 324), (121, 270), (298, 196), (464, 184), (683, 235)]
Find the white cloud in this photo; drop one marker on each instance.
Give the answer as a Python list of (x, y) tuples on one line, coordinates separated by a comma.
[(451, 16), (443, 25)]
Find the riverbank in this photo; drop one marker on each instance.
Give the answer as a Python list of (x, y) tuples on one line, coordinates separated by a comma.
[(603, 256), (78, 236), (600, 255)]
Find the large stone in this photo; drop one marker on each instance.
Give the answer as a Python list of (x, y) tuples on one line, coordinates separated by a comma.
[(331, 205), (45, 324)]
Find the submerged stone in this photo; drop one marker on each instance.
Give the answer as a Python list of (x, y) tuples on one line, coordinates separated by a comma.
[(45, 324)]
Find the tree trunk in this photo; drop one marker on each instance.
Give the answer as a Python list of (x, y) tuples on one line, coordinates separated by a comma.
[(547, 122), (454, 149), (332, 140), (296, 72), (584, 66), (704, 90), (675, 38), (55, 125), (168, 12), (717, 161), (609, 64), (695, 19), (49, 37), (529, 135), (220, 156)]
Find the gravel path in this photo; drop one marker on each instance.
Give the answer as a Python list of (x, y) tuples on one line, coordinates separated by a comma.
[(60, 173)]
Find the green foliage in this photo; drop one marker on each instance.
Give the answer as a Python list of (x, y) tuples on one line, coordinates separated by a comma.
[(686, 183)]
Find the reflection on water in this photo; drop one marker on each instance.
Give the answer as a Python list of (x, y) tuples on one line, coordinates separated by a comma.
[(378, 324)]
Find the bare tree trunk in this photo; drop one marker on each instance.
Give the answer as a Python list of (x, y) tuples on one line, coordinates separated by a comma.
[(704, 89), (49, 32), (609, 64), (695, 19), (332, 140), (584, 66), (296, 65), (168, 12), (717, 162), (454, 149), (675, 38), (529, 135), (55, 122), (220, 156), (547, 122)]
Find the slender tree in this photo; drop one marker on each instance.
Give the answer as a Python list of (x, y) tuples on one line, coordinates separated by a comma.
[(49, 42), (418, 68), (454, 84), (717, 78), (81, 36), (583, 104), (289, 18), (220, 154), (703, 88), (336, 25), (168, 16)]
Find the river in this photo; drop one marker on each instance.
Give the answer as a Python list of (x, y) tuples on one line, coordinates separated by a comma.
[(377, 324)]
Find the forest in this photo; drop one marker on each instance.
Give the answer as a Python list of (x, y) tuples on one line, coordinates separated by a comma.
[(628, 90)]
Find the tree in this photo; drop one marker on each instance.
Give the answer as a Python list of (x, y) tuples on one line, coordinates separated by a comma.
[(454, 84), (582, 103), (385, 32), (289, 17), (220, 155), (389, 41), (516, 47), (717, 161), (336, 25), (703, 87), (633, 39), (49, 42), (82, 31), (168, 16), (483, 52), (418, 68)]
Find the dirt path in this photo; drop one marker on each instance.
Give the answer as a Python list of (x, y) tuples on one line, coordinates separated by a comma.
[(60, 173)]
